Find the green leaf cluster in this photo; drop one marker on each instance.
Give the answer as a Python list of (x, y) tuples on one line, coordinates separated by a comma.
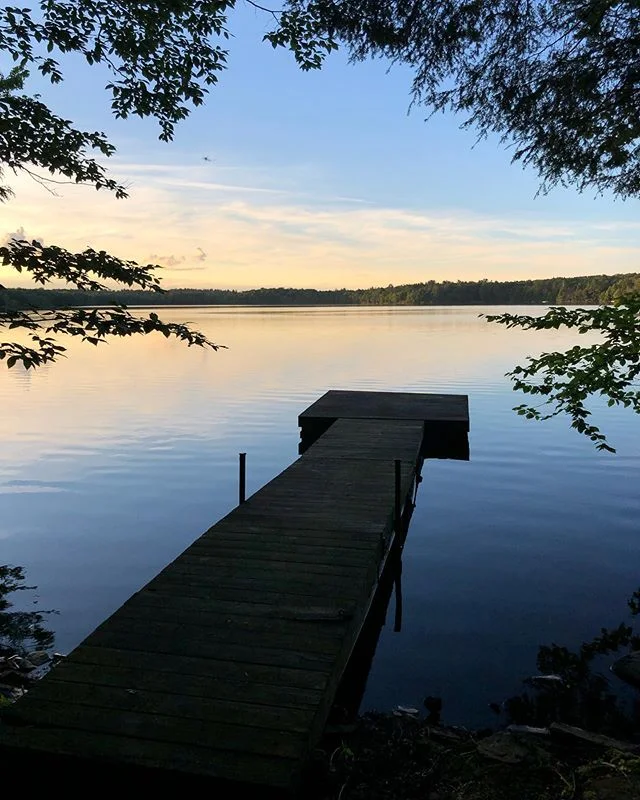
[(564, 381), (162, 58), (557, 80), (303, 30)]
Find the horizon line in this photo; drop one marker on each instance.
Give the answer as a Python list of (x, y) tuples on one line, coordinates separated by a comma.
[(336, 289)]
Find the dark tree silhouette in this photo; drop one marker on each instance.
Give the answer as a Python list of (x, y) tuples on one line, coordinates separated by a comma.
[(162, 58), (20, 631)]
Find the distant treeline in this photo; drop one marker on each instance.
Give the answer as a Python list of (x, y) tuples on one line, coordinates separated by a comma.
[(589, 289)]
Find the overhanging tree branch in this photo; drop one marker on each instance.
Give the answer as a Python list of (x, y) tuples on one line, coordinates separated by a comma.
[(93, 326), (566, 380)]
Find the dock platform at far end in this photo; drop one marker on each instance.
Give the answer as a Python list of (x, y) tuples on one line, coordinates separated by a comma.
[(445, 417)]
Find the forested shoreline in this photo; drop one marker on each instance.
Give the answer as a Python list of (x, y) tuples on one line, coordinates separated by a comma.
[(589, 289)]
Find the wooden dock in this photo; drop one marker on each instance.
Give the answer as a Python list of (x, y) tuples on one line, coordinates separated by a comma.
[(445, 417), (226, 664)]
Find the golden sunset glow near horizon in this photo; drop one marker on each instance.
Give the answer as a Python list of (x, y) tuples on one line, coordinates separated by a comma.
[(315, 180)]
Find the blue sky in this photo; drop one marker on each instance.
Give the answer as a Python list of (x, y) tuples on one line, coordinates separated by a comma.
[(317, 179)]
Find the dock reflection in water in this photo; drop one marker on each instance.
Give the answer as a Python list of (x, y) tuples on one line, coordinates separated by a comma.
[(452, 445)]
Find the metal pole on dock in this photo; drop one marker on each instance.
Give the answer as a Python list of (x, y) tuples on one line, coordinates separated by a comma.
[(398, 498), (397, 622), (242, 486)]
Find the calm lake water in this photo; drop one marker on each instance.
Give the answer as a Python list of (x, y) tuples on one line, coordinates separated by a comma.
[(115, 459)]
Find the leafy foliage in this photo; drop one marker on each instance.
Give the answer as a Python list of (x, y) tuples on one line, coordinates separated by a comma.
[(82, 270), (556, 80), (32, 136), (304, 34), (92, 325), (162, 61), (44, 264), (160, 54), (564, 380)]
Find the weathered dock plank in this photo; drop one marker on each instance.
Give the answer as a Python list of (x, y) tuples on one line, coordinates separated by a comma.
[(209, 668), (227, 662), (145, 675)]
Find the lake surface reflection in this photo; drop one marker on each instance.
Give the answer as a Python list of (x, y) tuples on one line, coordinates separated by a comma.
[(115, 459)]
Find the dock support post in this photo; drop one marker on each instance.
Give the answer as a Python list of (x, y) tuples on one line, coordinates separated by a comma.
[(397, 622), (243, 479), (398, 498)]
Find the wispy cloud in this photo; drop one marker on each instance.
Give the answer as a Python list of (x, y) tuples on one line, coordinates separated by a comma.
[(212, 186), (238, 234)]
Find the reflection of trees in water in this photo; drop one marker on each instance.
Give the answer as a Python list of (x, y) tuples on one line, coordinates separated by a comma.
[(20, 631), (574, 685)]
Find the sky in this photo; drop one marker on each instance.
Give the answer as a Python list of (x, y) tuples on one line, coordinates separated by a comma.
[(320, 179)]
